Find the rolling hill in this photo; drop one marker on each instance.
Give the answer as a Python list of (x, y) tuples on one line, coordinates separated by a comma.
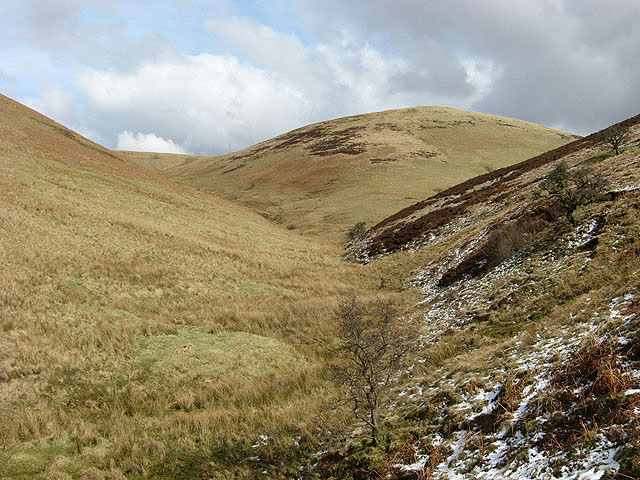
[(529, 361), (148, 329), (323, 178)]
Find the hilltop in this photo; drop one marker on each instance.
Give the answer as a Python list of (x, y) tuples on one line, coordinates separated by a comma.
[(323, 178)]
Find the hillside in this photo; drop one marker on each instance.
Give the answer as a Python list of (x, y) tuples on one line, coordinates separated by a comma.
[(323, 178), (528, 363), (149, 330)]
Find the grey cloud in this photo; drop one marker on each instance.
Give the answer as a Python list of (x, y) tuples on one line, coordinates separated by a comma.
[(566, 63), (450, 84), (82, 32)]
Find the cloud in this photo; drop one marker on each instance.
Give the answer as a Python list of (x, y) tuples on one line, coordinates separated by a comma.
[(264, 46), (557, 62), (345, 74), (8, 83), (206, 103), (53, 101), (211, 104), (147, 142), (481, 74), (98, 33), (219, 76)]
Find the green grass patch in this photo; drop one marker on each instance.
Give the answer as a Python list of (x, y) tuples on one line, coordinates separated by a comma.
[(40, 460), (194, 352)]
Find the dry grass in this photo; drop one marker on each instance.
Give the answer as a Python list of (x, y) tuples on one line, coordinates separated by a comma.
[(597, 364), (507, 328), (149, 330), (326, 177)]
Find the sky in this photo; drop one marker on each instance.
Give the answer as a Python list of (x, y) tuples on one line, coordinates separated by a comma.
[(209, 77)]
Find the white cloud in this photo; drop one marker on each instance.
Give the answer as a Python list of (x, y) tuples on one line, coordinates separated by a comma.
[(338, 78), (481, 74), (123, 66), (147, 142), (345, 73), (207, 103)]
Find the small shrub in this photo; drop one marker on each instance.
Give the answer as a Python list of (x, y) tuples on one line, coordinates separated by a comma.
[(373, 345), (598, 158), (615, 137), (629, 459), (572, 188), (598, 364), (357, 231), (507, 239)]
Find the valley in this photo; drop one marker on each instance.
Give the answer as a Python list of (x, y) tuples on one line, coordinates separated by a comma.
[(169, 316), (324, 178)]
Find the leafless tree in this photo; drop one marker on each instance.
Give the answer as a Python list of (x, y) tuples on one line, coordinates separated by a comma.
[(373, 342), (615, 136), (572, 188)]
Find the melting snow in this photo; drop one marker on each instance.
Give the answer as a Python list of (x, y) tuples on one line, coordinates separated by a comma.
[(509, 454), (583, 234)]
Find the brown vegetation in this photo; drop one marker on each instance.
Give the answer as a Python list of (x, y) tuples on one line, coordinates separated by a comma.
[(399, 230), (325, 177)]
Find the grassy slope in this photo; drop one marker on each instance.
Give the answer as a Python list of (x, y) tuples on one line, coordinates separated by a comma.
[(528, 367), (148, 329), (323, 178)]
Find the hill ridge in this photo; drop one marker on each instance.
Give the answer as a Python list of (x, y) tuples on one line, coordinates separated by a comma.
[(325, 177), (465, 194)]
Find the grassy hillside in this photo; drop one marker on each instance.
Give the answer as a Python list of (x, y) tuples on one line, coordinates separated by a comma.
[(528, 365), (149, 330), (323, 178)]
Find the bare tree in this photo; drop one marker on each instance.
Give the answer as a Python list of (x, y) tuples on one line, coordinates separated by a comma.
[(615, 136), (373, 344), (572, 188)]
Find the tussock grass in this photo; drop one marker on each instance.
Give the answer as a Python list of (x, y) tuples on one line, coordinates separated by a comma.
[(149, 330)]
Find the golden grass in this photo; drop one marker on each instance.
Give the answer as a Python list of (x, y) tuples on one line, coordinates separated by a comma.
[(149, 330), (397, 157)]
